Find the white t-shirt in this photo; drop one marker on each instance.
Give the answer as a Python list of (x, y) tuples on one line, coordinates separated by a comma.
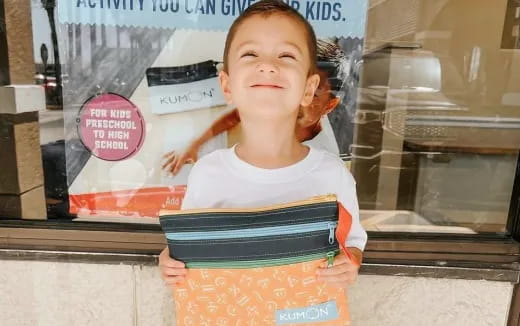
[(222, 180), (325, 139)]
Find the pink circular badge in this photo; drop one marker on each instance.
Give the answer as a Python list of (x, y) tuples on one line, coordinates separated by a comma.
[(111, 127)]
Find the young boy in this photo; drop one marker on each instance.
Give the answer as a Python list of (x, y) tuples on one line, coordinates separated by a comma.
[(269, 73), (331, 66)]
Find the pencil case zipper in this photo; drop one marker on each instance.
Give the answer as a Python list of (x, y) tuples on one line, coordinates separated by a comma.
[(316, 209), (330, 198), (267, 250), (244, 238), (256, 232), (328, 255)]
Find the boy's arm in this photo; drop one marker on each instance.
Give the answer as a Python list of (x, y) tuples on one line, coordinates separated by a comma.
[(345, 270), (224, 123), (175, 161), (357, 253)]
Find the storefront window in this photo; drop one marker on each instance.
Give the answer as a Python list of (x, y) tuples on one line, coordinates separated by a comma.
[(427, 116), (437, 129)]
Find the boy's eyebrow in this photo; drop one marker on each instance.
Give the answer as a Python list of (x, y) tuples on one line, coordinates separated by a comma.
[(294, 45), (291, 44)]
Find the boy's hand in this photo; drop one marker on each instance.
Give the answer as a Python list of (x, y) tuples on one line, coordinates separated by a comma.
[(172, 271), (343, 273)]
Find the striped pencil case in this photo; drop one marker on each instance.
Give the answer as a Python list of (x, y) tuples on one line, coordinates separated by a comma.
[(257, 266)]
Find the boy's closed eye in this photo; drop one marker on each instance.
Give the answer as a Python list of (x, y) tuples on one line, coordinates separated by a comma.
[(287, 56), (249, 54)]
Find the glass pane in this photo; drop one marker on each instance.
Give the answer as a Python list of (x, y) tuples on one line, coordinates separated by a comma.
[(437, 127), (48, 73), (431, 135)]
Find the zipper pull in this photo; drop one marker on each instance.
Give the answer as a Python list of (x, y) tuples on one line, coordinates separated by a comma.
[(332, 226), (330, 259)]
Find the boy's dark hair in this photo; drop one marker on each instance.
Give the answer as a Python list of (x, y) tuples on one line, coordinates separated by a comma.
[(266, 8)]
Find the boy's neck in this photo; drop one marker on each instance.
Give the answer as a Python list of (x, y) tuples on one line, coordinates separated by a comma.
[(269, 145)]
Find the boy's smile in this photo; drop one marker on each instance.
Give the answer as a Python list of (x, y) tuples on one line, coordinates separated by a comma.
[(267, 85), (268, 68)]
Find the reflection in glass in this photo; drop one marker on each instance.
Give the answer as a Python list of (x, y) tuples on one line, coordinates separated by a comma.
[(437, 127)]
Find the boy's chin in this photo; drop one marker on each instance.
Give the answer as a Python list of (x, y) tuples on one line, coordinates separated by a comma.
[(270, 111)]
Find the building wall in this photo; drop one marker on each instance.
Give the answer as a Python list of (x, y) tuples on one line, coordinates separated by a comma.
[(59, 293)]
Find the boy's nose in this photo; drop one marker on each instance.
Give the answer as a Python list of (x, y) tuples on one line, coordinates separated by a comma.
[(267, 67)]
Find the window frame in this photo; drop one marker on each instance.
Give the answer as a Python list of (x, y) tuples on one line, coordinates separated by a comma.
[(490, 250)]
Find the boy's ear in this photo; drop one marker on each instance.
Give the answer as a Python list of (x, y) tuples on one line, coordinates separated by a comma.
[(223, 78), (310, 88)]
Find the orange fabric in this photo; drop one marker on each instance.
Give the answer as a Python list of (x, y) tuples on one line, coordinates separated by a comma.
[(240, 297), (342, 231), (145, 202)]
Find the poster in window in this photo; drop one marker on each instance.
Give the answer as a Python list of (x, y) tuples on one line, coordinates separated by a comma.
[(142, 101)]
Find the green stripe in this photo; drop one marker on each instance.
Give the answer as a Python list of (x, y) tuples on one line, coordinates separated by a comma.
[(258, 263)]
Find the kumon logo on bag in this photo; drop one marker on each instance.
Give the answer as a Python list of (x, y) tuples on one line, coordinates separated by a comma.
[(318, 313)]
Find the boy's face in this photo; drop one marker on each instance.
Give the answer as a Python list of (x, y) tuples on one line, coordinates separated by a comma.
[(268, 68)]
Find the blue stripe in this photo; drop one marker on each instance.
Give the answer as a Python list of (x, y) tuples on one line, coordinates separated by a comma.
[(254, 232)]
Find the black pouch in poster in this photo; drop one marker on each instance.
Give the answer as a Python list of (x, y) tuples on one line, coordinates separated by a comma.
[(184, 88)]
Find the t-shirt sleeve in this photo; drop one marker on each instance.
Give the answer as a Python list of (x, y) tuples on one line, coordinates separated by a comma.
[(189, 201), (192, 196), (348, 198)]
